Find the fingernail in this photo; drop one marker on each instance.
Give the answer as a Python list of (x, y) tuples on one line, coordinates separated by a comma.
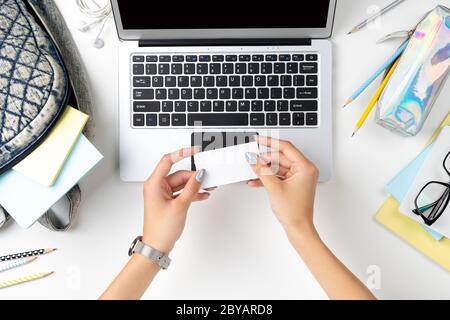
[(251, 158), (200, 175)]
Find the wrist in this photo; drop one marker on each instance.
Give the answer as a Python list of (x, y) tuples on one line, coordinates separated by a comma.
[(302, 234), (160, 245)]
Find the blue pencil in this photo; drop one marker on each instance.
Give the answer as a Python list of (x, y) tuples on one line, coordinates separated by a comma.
[(378, 72)]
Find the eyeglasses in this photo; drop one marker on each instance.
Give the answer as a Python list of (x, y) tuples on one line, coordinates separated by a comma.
[(434, 197)]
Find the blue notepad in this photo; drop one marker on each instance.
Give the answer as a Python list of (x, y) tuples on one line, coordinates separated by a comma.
[(399, 186), (26, 200)]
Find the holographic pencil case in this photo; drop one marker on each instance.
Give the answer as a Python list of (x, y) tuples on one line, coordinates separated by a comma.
[(422, 70)]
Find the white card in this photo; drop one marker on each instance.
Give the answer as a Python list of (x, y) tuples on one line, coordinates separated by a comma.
[(226, 165)]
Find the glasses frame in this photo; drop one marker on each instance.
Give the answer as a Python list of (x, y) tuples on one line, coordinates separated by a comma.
[(445, 197)]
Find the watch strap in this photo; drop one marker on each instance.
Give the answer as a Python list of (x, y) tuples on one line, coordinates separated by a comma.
[(154, 255)]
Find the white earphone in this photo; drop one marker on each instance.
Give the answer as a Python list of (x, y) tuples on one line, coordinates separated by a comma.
[(99, 15)]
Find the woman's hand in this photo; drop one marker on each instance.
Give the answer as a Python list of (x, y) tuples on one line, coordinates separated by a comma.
[(166, 209), (290, 180)]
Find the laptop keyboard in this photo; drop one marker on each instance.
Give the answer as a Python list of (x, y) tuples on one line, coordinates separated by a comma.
[(232, 90)]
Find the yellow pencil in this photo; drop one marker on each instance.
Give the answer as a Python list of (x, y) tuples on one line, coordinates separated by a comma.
[(23, 279), (375, 98)]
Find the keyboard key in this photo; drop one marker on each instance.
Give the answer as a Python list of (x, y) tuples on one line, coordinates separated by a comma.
[(244, 106), (298, 57), (170, 81), (204, 58), (218, 106), (306, 93), (151, 68), (237, 93), (253, 68), (247, 81), (183, 81), (311, 119), (138, 120), (223, 119), (146, 106), (284, 57), (286, 81), (140, 82), (271, 119), (273, 81), (202, 68), (208, 81), (269, 105), (174, 94), (258, 57), (257, 119), (164, 68), (199, 94), (196, 81), (180, 106), (292, 67), (303, 105), (231, 57), (260, 81), (192, 106), (212, 93), (167, 106), (271, 57), (227, 68), (244, 57), (178, 119), (285, 119), (234, 81), (215, 68), (282, 105), (164, 59), (224, 93), (205, 106), (221, 81), (178, 58), (189, 68), (177, 68), (151, 120), (138, 69), (263, 93), (266, 68), (288, 93), (279, 68), (157, 81), (186, 94), (151, 59), (308, 67), (218, 58), (164, 119), (299, 81), (298, 119), (311, 57), (311, 80), (250, 93), (231, 106), (160, 94), (240, 68), (143, 94), (257, 106), (276, 93), (138, 58), (191, 58)]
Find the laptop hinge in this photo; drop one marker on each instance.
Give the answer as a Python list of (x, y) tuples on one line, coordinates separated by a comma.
[(224, 42)]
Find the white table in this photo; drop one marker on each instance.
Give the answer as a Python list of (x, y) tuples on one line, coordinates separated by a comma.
[(232, 246)]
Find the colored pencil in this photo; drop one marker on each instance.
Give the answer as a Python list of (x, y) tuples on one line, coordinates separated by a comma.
[(377, 73), (375, 98), (376, 15), (26, 254), (24, 279), (7, 265)]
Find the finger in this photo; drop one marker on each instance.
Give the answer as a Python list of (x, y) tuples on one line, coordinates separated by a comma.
[(255, 183), (263, 171), (201, 196), (192, 187), (276, 157), (285, 147), (179, 178), (168, 160)]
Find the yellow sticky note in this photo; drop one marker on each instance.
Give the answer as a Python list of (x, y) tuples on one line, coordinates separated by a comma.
[(44, 164)]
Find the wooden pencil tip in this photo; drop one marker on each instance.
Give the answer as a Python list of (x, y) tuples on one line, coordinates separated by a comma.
[(349, 100), (29, 259), (355, 131)]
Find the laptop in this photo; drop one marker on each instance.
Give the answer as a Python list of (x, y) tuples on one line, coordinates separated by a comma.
[(195, 69)]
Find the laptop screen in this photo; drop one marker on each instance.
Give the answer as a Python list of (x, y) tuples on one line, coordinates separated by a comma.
[(231, 14)]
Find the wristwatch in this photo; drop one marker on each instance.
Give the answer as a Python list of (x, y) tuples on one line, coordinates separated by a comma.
[(154, 255)]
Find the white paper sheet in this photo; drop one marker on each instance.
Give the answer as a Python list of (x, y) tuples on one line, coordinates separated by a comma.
[(226, 165)]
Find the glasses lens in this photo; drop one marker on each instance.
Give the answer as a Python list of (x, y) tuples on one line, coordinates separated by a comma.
[(447, 163), (432, 200)]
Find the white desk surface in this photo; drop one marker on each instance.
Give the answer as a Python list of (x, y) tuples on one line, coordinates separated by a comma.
[(236, 249)]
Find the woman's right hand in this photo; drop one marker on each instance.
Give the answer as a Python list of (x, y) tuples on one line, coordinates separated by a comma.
[(290, 180)]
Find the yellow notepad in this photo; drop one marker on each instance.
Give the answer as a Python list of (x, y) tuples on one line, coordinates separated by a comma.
[(412, 231), (44, 164)]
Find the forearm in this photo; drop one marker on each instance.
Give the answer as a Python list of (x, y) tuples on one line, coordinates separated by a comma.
[(336, 280), (133, 280)]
